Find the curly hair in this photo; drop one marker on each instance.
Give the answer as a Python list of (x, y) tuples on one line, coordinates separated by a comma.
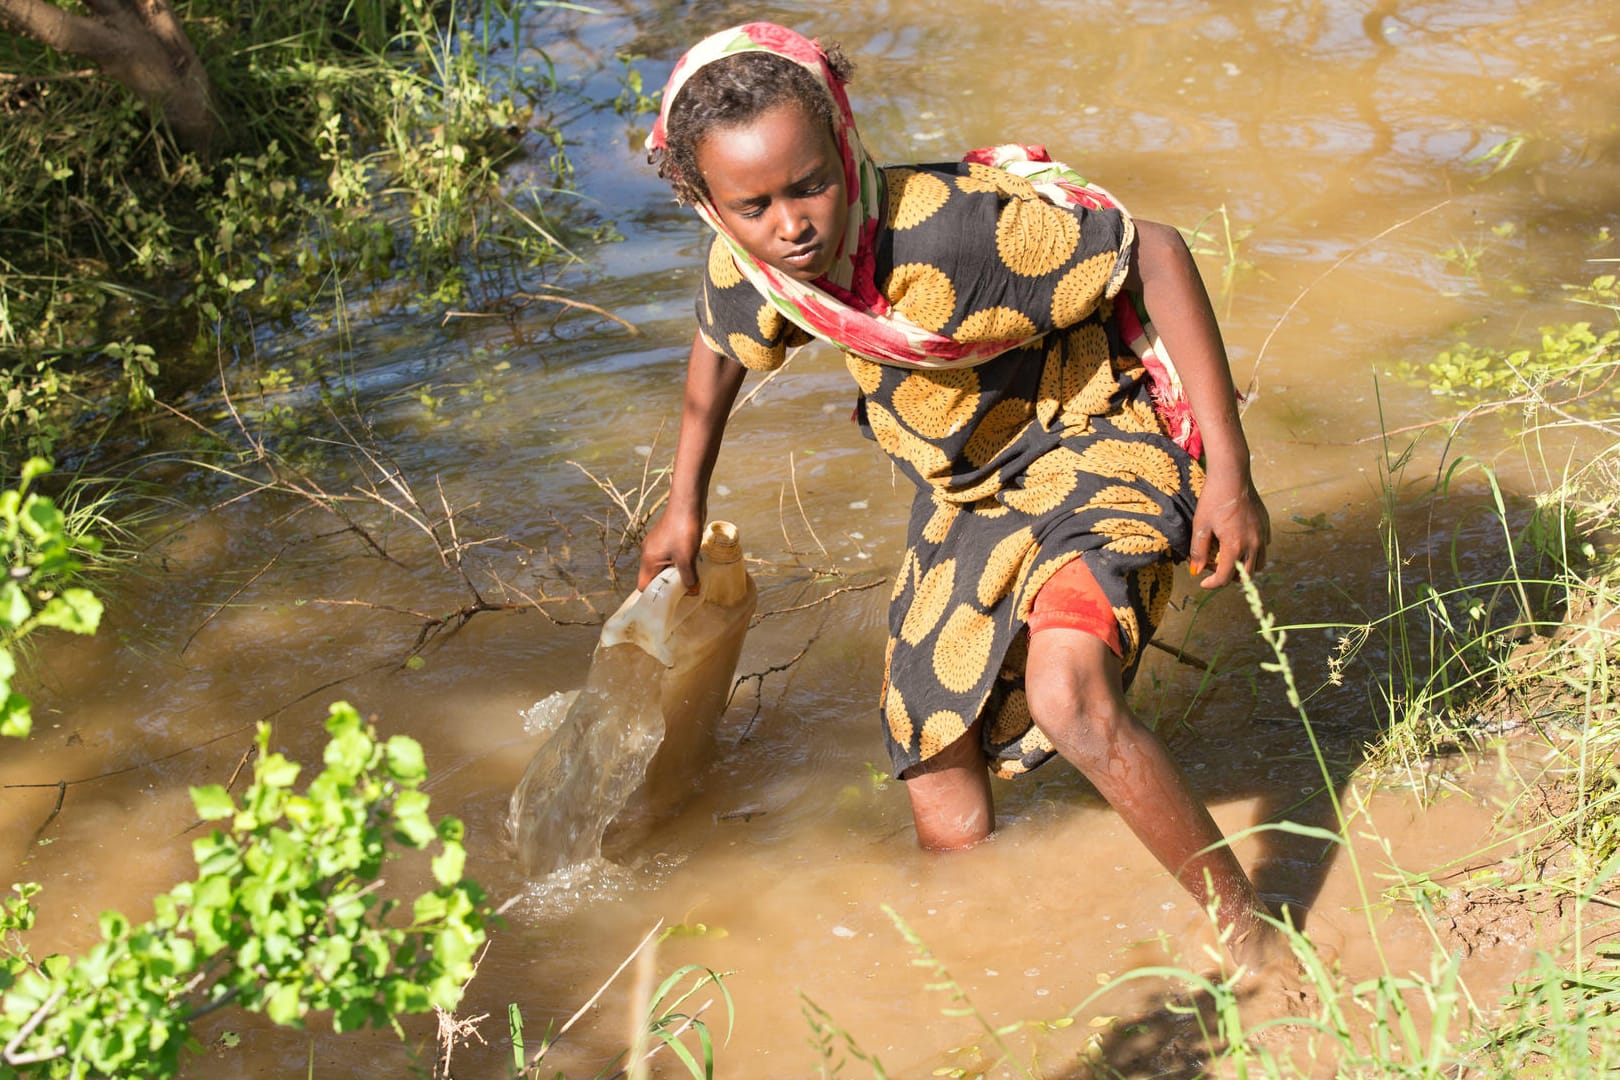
[(731, 92)]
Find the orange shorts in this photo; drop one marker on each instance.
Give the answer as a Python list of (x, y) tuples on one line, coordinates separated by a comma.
[(1072, 600)]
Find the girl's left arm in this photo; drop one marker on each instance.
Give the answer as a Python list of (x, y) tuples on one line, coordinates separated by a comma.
[(1230, 525)]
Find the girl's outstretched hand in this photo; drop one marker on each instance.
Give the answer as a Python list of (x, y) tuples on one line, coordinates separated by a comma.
[(1230, 526), (673, 540)]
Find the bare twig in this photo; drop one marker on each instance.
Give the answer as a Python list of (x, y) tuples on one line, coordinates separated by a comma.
[(793, 475), (61, 794), (583, 1009), (1254, 375), (1185, 657), (528, 298), (44, 1010), (758, 677), (229, 600), (452, 1030), (818, 601)]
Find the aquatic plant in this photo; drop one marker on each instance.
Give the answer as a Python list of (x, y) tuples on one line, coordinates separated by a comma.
[(283, 917)]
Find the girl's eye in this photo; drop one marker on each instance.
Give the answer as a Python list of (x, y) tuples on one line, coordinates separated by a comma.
[(751, 213)]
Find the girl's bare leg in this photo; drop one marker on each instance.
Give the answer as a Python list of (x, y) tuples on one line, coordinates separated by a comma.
[(1077, 699), (950, 796)]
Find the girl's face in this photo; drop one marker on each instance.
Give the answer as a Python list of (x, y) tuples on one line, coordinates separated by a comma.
[(778, 185)]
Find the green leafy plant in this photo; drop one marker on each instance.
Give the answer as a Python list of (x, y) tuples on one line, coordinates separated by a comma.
[(284, 916), (43, 560)]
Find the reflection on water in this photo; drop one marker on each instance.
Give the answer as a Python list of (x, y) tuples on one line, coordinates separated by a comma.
[(1348, 147)]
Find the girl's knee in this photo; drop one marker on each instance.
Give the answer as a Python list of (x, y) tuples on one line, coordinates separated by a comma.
[(1076, 697)]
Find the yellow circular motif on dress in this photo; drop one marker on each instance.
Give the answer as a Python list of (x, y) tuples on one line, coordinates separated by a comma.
[(989, 178), (1123, 500), (933, 593), (1003, 423), (973, 492), (990, 508), (1195, 479), (885, 428), (723, 272), (1049, 398), (908, 567), (712, 345), (894, 709), (1034, 237), (1130, 536), (929, 460), (913, 197), (939, 731), (1130, 461), (769, 321), (1138, 416), (1078, 291), (1001, 568), (922, 293), (1048, 482), (1034, 742), (753, 355), (868, 374), (963, 649), (939, 522), (1013, 719), (995, 324), (937, 403), (1089, 381)]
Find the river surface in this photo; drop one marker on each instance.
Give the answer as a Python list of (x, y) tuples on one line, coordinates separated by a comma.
[(1338, 161)]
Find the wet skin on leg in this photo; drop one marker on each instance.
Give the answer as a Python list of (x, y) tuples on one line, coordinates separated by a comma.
[(1076, 697), (950, 796)]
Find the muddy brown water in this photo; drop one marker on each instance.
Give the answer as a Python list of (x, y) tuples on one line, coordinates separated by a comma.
[(1347, 144)]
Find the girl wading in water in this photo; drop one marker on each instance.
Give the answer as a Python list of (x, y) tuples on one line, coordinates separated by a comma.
[(993, 314)]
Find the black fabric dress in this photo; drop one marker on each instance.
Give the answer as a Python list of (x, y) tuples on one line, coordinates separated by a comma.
[(1048, 453)]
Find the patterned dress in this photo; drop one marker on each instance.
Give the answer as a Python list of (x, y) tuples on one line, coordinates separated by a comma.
[(1047, 453)]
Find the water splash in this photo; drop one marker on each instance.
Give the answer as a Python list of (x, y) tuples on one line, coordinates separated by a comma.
[(593, 761)]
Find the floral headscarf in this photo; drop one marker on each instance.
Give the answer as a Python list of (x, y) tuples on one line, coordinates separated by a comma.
[(845, 308)]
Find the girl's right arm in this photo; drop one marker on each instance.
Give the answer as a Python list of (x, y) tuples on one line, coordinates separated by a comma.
[(712, 381)]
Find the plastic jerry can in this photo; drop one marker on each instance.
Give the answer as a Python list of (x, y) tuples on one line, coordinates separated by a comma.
[(642, 728)]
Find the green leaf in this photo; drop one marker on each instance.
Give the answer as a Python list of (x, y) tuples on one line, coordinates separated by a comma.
[(75, 610), (14, 606), (449, 864), (33, 469), (275, 771), (42, 519), (213, 802), (406, 762), (16, 716)]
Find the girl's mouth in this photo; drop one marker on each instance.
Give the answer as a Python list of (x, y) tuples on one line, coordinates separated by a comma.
[(801, 258)]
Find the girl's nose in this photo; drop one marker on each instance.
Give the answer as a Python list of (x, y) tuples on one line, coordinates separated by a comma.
[(792, 223)]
